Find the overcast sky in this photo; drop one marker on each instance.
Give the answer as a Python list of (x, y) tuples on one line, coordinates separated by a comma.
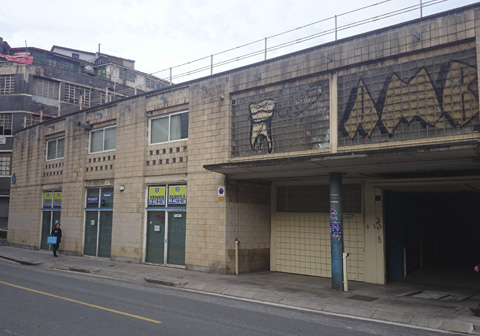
[(159, 34)]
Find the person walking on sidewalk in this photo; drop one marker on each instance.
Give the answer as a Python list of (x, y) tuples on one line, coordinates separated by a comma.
[(476, 311), (56, 232)]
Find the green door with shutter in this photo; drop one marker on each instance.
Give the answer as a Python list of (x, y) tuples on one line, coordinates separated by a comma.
[(176, 237), (91, 233), (105, 234), (155, 237)]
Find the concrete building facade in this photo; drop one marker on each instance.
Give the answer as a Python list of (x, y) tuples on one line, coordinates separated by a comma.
[(52, 85), (232, 171)]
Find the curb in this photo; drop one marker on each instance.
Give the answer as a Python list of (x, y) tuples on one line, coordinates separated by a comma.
[(23, 262), (163, 282)]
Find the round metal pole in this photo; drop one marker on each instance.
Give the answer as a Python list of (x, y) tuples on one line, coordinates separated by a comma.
[(336, 234)]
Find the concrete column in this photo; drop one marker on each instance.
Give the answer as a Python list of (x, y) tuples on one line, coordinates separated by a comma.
[(336, 203)]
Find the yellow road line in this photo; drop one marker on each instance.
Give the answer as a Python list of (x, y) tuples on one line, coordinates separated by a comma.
[(82, 303)]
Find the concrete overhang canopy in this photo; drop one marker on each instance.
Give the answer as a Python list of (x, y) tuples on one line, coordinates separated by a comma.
[(455, 156)]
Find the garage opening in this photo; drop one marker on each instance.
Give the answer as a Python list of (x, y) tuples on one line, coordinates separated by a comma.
[(433, 237)]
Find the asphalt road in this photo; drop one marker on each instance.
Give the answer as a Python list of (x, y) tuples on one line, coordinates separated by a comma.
[(38, 302)]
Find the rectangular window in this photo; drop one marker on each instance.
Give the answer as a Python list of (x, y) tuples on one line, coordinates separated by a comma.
[(77, 56), (55, 149), (7, 84), (103, 139), (5, 159), (52, 199), (6, 124), (77, 95), (167, 196), (127, 74), (99, 198), (45, 88), (170, 128), (152, 83)]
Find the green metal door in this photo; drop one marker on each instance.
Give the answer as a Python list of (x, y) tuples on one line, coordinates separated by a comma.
[(105, 236), (176, 238), (91, 233), (46, 228), (155, 237)]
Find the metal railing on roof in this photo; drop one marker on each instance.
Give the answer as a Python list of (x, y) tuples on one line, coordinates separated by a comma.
[(329, 30)]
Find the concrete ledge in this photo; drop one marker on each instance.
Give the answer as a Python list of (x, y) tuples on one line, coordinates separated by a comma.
[(165, 282), (361, 312), (79, 269), (456, 326)]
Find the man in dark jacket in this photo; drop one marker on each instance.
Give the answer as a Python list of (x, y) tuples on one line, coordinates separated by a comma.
[(56, 232)]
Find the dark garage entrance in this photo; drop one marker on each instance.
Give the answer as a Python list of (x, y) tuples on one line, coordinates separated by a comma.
[(433, 237)]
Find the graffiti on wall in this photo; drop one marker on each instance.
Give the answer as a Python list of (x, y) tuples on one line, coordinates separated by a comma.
[(450, 99), (293, 118)]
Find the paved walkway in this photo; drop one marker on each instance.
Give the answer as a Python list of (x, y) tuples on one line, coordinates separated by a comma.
[(423, 306)]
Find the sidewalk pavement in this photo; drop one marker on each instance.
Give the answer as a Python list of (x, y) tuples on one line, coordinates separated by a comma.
[(402, 303)]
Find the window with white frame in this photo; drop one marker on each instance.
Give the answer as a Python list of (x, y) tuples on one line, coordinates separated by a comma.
[(169, 128), (7, 84), (6, 124), (103, 140), (5, 159), (55, 148), (45, 88), (78, 95)]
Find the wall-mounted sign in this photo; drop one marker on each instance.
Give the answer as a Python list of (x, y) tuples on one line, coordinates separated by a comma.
[(221, 193), (92, 200), (20, 58), (177, 194), (47, 199), (57, 199), (156, 196)]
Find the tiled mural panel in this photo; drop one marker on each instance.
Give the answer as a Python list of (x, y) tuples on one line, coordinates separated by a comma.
[(286, 120), (429, 95)]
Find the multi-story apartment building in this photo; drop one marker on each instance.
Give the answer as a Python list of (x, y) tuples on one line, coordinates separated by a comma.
[(37, 85), (371, 141)]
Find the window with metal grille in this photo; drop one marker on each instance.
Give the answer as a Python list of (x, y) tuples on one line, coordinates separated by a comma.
[(7, 84), (45, 88), (5, 164), (6, 124), (77, 95)]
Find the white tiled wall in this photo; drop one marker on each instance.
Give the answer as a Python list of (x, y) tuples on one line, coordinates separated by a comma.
[(301, 244)]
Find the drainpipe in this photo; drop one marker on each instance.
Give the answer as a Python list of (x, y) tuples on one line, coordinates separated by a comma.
[(236, 256), (345, 277)]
